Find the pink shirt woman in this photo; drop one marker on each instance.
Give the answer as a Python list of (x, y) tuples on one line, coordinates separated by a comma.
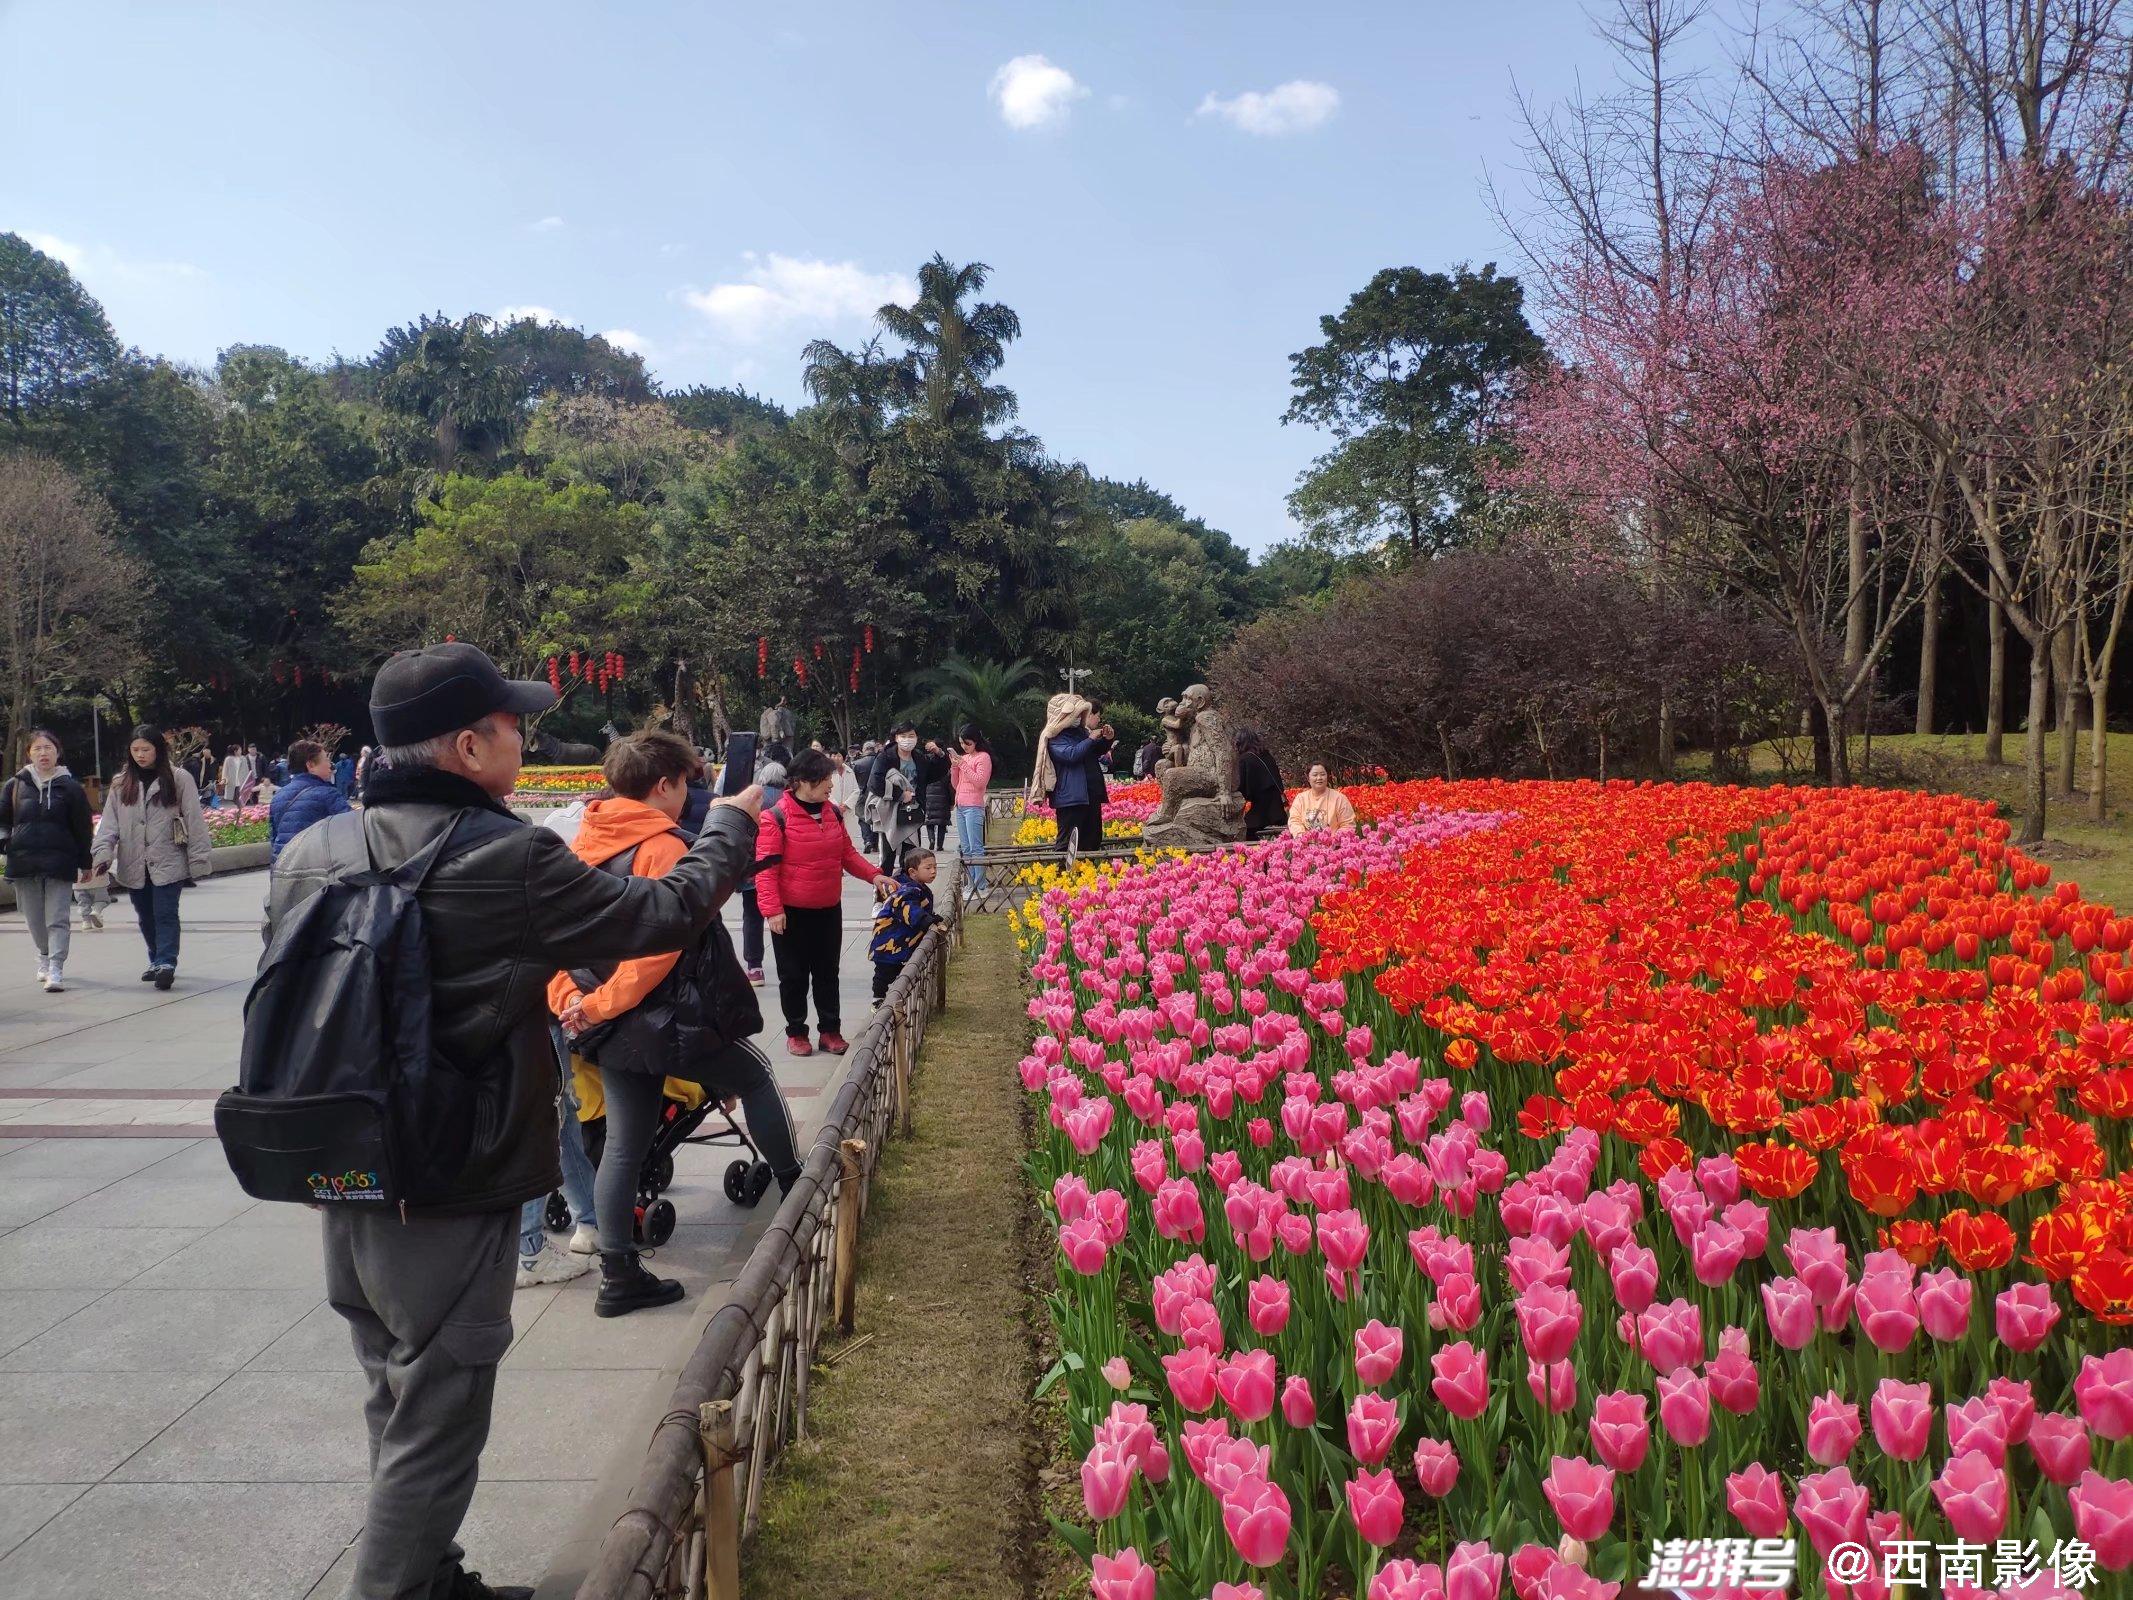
[(973, 771)]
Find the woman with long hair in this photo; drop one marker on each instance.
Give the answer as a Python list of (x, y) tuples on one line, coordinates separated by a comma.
[(153, 837), (971, 762), (1259, 781), (45, 816)]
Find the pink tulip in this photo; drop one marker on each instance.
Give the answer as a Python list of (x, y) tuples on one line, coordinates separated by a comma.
[(2103, 1518), (1070, 1195), (1582, 1494), (1377, 1352), (1944, 1305), (1461, 1383), (1671, 1335), (1191, 1372), (1789, 1308), (1887, 1310), (1375, 1506), (1902, 1414), (2024, 1316), (1634, 1271), (1458, 1304), (1752, 1221), (1177, 1211), (1715, 1253), (1106, 1481), (1548, 1322), (1200, 1324), (1298, 1409), (2103, 1391), (1820, 1262), (1373, 1424), (1530, 1566), (2016, 1402), (1832, 1509), (2061, 1445), (1082, 1243), (1832, 1429), (1199, 1438), (1255, 1515), (1756, 1497), (1972, 1491), (1266, 1306), (1978, 1425), (1554, 1386), (1246, 1383), (1735, 1382), (1236, 1591), (1685, 1406), (1408, 1580), (1124, 1576), (1474, 1571), (1436, 1467), (1118, 1373), (1621, 1431)]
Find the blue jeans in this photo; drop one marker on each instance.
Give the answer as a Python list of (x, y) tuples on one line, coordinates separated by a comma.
[(577, 1177), (970, 843), (156, 904)]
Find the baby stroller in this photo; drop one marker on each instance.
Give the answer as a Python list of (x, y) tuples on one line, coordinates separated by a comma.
[(686, 1108)]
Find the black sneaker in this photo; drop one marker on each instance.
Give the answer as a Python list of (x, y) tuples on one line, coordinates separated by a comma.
[(625, 1286), (165, 977), (467, 1585), (149, 976)]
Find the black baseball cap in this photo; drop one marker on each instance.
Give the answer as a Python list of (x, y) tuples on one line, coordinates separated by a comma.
[(441, 688)]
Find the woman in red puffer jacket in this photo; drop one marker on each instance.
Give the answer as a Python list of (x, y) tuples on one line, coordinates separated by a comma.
[(802, 853)]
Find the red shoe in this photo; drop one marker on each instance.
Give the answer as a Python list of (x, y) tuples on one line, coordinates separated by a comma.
[(796, 1045), (834, 1043)]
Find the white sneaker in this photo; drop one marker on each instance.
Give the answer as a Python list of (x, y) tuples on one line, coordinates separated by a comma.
[(44, 970), (585, 1240), (552, 1266), (55, 981)]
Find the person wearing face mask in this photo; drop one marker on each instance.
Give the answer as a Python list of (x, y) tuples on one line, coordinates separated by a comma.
[(153, 837), (45, 816), (897, 788)]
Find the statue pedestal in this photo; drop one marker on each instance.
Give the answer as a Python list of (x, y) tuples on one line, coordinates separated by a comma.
[(1199, 822)]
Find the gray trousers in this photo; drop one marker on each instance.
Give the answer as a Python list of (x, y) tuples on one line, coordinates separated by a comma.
[(429, 1304), (47, 905)]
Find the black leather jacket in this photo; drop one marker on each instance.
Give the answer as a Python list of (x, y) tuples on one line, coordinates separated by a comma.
[(502, 917)]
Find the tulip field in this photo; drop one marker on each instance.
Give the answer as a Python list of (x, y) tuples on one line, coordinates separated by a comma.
[(1480, 1203)]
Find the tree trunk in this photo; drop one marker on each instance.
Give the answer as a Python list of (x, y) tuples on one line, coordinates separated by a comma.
[(2069, 706), (2099, 746), (1666, 734), (2035, 774), (1928, 654), (1835, 718), (1996, 679), (1818, 733), (1855, 617)]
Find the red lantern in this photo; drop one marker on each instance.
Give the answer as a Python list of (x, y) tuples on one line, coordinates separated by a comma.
[(573, 663), (818, 649), (762, 656), (870, 638), (799, 668), (622, 665), (299, 677), (450, 638)]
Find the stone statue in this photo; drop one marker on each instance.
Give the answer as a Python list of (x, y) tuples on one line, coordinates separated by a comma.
[(1166, 711), (1201, 805)]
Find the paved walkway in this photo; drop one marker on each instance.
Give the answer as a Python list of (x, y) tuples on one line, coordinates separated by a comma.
[(179, 1407)]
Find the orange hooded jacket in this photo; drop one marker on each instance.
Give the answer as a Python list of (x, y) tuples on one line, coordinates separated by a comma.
[(611, 827)]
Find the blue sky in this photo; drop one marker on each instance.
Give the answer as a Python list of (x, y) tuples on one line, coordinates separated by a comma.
[(722, 183)]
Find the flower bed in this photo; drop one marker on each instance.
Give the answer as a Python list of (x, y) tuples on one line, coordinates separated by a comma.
[(541, 785), (1563, 1168)]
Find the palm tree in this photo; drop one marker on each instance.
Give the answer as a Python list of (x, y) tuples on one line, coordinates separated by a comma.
[(1001, 699), (955, 349), (449, 376)]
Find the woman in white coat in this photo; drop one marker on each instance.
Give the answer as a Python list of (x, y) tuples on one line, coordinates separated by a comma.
[(153, 837)]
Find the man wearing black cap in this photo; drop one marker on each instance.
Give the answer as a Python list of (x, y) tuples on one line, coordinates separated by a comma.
[(428, 1296)]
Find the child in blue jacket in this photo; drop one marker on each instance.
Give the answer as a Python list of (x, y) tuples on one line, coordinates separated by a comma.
[(903, 918)]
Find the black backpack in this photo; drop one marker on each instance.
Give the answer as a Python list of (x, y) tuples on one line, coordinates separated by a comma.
[(340, 1098), (701, 1006)]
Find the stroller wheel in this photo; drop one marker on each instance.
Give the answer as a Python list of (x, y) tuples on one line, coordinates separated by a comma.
[(759, 1179), (737, 1183), (558, 1213), (659, 1173), (655, 1224)]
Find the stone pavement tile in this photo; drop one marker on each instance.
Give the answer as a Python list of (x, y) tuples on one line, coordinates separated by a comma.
[(552, 1425), (25, 1313), (109, 1159), (48, 1255), (9, 1147), (24, 1200), (26, 1507), (569, 1336), (272, 1214), (512, 1532), (149, 1069), (319, 1343), (244, 1258), (74, 1427), (165, 1330), (150, 1199), (264, 1427), (202, 1160), (188, 1541)]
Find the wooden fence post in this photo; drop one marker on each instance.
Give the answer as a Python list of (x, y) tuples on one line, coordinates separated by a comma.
[(900, 1056), (722, 1527), (848, 1154)]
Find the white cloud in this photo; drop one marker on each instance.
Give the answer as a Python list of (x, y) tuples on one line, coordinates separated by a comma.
[(625, 339), (529, 314), (87, 261), (547, 225), (1292, 107), (777, 291), (1033, 93)]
